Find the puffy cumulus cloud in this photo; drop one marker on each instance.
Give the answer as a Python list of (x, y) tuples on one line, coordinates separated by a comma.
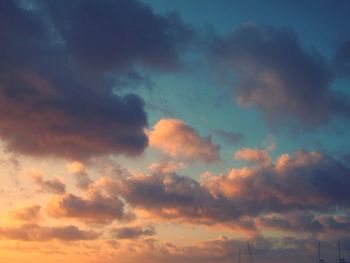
[(29, 213), (275, 74), (132, 232), (178, 198), (34, 232), (96, 208), (59, 80), (253, 155), (181, 141), (54, 185), (308, 181)]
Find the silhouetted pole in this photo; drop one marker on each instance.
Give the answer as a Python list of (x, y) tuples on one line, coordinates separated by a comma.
[(319, 252), (250, 255)]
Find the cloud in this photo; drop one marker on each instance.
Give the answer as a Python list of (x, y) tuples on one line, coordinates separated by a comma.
[(253, 155), (132, 232), (49, 186), (131, 32), (322, 226), (59, 88), (29, 213), (83, 180), (276, 75), (34, 232), (179, 140), (178, 198), (96, 208), (166, 167), (308, 181), (230, 137), (222, 249)]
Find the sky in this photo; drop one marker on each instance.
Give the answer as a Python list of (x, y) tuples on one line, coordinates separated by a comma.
[(174, 131)]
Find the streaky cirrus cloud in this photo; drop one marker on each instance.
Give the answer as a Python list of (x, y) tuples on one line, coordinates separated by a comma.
[(37, 233), (179, 140), (58, 96), (278, 76), (132, 232), (95, 208)]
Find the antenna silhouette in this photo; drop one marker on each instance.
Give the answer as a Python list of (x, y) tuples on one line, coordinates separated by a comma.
[(340, 259), (320, 260), (250, 255)]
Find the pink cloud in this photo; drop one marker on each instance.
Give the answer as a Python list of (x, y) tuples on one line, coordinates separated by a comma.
[(179, 140), (253, 155)]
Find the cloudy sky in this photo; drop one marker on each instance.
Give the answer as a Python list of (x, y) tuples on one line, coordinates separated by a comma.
[(174, 130)]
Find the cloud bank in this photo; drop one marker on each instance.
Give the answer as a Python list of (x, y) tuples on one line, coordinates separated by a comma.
[(60, 64)]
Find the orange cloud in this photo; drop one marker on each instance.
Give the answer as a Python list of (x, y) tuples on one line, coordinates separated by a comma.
[(253, 155), (29, 213), (166, 167), (179, 140), (34, 232)]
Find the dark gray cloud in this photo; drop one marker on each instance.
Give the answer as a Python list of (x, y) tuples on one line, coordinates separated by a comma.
[(117, 34), (325, 226), (50, 186), (34, 232), (275, 74), (132, 232), (307, 181), (171, 196), (62, 62), (83, 180), (96, 208)]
